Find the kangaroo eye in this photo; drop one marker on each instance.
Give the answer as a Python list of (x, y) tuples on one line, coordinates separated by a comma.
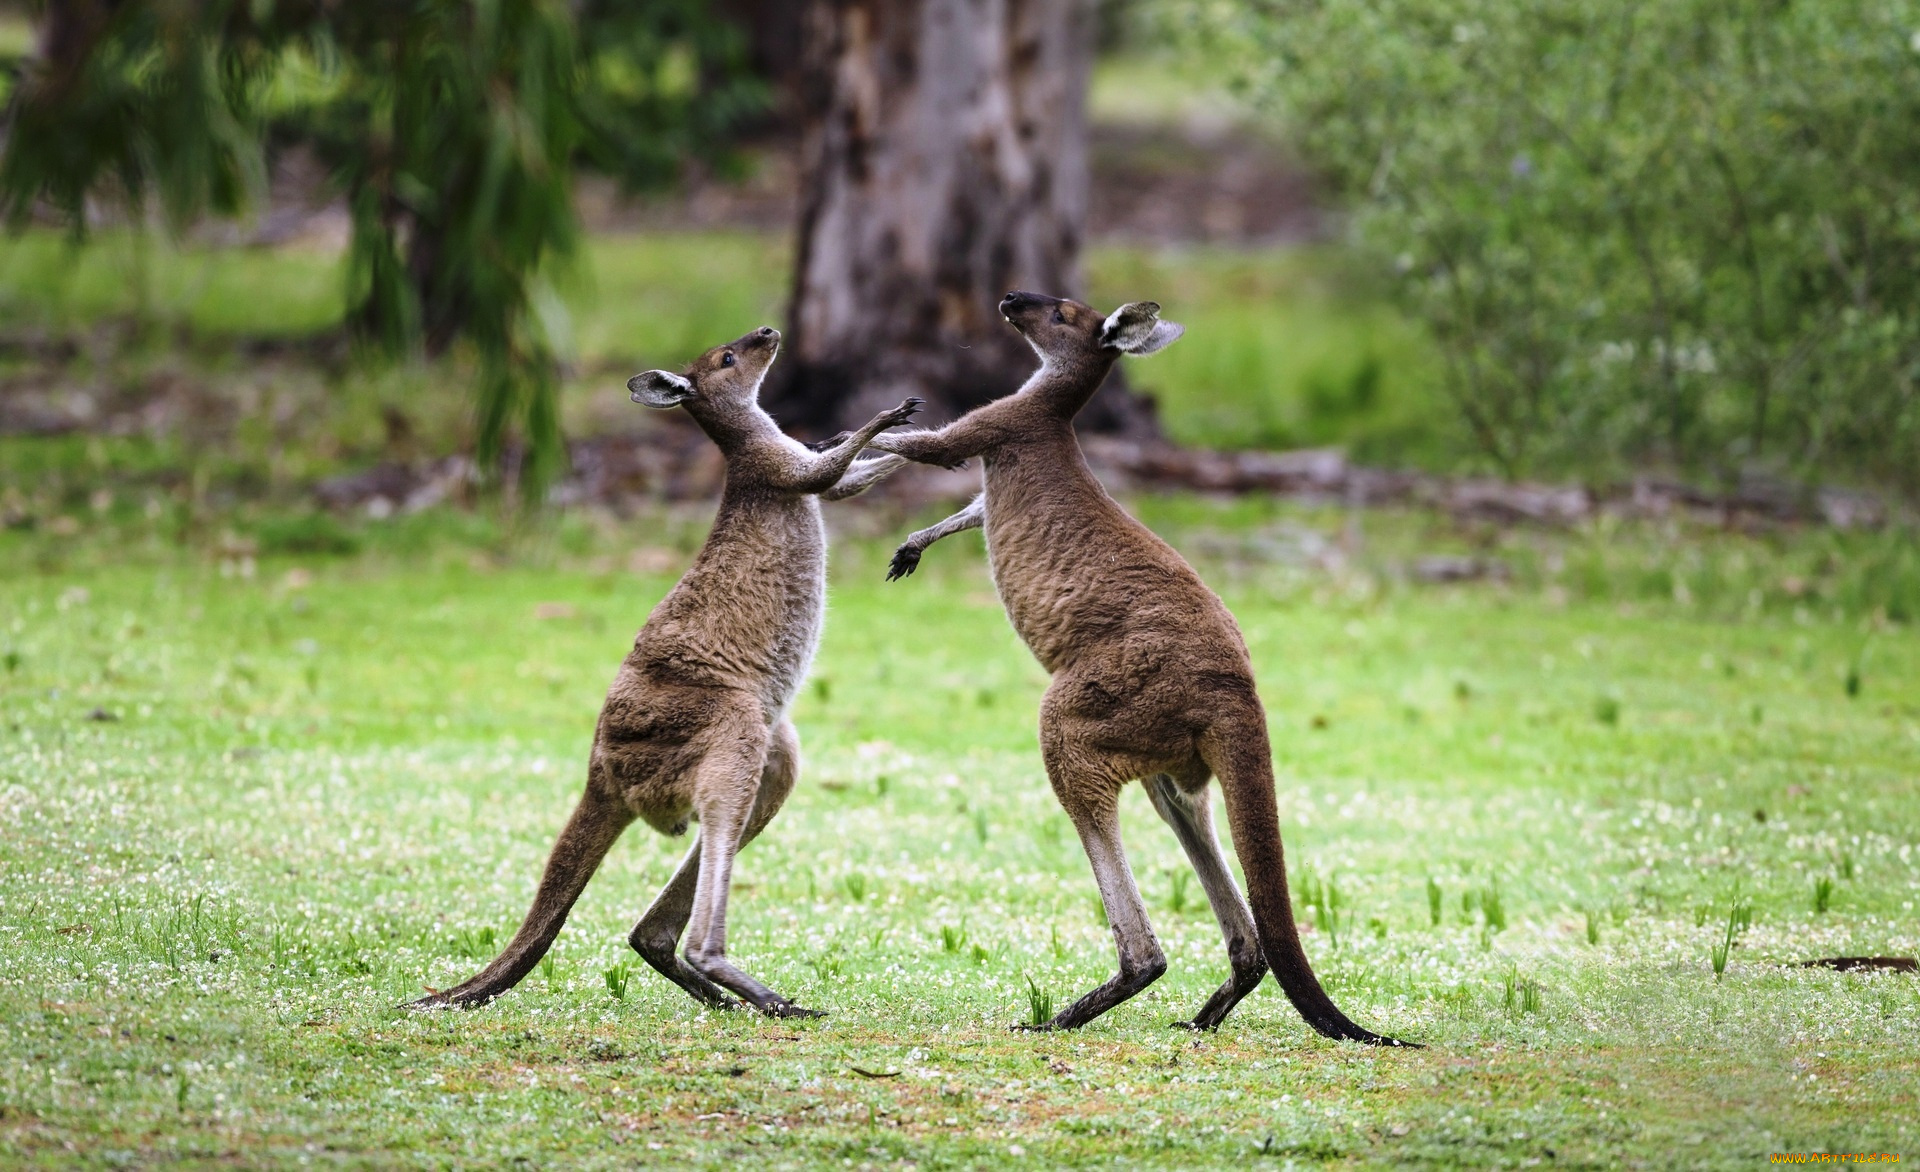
[(727, 358), (1059, 318)]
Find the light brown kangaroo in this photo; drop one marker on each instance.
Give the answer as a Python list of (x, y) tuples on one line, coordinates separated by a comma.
[(1151, 678), (695, 725)]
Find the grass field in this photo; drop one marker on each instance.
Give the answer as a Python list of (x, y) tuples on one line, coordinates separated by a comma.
[(253, 801)]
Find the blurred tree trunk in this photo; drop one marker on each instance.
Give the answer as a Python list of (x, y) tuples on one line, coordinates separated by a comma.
[(943, 163)]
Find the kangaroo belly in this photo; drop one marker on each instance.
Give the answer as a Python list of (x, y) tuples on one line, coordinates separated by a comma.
[(1069, 586), (732, 641)]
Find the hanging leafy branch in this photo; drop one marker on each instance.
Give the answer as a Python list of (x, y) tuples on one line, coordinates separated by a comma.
[(451, 127)]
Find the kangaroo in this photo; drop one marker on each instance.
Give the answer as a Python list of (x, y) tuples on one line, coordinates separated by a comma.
[(695, 725), (1151, 678)]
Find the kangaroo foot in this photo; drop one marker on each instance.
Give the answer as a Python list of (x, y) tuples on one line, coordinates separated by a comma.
[(457, 997), (721, 972), (1228, 995), (1123, 985), (660, 956), (788, 1009)]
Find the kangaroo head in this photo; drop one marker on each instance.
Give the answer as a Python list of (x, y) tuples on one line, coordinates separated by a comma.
[(1064, 331), (1077, 346), (721, 388)]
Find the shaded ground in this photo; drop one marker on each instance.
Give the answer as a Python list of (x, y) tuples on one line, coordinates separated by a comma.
[(665, 458)]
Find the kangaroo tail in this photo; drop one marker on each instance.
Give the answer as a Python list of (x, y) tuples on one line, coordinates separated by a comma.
[(585, 840), (1240, 757)]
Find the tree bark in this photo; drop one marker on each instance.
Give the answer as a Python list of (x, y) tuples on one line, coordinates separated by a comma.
[(944, 162)]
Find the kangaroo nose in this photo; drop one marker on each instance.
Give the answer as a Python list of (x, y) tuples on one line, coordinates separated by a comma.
[(766, 331), (1018, 298)]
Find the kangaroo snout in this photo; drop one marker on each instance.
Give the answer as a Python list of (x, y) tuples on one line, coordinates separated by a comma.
[(1019, 299)]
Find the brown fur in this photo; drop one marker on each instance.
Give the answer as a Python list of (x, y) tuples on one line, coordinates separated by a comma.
[(1151, 678), (694, 727)]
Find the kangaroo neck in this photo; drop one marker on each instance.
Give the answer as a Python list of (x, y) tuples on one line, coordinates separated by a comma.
[(1064, 385), (1045, 470)]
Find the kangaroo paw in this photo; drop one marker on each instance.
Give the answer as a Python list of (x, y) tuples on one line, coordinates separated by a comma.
[(906, 560), (905, 411)]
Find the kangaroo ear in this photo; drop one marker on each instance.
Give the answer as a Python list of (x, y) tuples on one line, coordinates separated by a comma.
[(659, 388), (1136, 328)]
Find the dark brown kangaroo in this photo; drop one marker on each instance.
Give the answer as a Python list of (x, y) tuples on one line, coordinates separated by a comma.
[(1151, 678), (695, 725)]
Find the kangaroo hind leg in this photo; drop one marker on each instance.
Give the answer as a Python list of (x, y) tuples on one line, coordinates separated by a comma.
[(657, 935), (1191, 817), (727, 796), (1091, 798)]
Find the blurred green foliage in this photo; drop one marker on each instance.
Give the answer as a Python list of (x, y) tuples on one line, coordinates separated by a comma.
[(1685, 231), (453, 130), (1286, 348)]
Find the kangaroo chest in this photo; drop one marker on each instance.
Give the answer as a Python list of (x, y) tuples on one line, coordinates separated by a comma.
[(1076, 573), (1047, 557), (749, 613)]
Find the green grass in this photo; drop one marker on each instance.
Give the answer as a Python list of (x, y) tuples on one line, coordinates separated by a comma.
[(48, 283), (1162, 90), (332, 780)]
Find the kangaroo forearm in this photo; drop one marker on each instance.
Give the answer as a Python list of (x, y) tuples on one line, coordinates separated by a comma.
[(971, 517), (907, 557), (864, 475), (840, 457), (818, 473), (947, 447), (821, 472)]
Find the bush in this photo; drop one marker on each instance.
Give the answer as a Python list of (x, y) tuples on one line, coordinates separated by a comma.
[(1685, 231), (313, 533)]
